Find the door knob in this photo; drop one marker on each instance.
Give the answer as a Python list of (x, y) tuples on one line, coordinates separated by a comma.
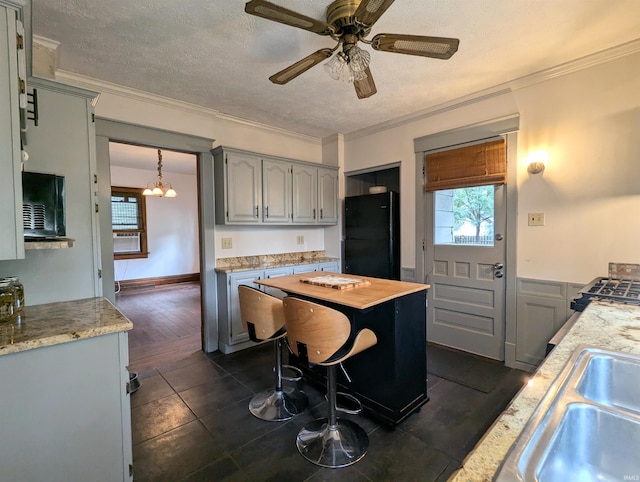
[(498, 266), (499, 274)]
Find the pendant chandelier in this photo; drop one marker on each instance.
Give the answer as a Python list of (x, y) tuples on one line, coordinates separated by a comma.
[(160, 188)]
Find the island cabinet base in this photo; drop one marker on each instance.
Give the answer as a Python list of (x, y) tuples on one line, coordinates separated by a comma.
[(390, 378)]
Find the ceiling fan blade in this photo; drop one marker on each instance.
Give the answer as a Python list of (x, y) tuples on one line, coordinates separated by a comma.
[(301, 66), (365, 87), (435, 47), (369, 11), (268, 10)]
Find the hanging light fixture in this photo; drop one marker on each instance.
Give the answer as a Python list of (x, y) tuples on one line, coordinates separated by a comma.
[(160, 188), (350, 64)]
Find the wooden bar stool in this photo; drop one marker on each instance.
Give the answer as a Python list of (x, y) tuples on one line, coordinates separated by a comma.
[(263, 318), (321, 335)]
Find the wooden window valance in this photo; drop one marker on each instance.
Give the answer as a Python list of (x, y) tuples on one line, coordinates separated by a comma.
[(469, 166)]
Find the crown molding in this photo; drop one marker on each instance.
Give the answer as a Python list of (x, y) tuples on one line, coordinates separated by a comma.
[(578, 64), (566, 68), (166, 102)]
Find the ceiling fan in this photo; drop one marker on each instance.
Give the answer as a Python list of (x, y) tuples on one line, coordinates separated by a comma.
[(349, 22)]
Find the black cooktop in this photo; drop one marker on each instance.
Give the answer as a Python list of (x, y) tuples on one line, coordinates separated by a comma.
[(612, 289)]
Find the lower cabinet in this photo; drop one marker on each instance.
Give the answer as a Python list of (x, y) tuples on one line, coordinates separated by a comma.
[(66, 413), (231, 335), (542, 308)]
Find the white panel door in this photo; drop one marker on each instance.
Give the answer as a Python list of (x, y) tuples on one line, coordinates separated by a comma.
[(466, 272)]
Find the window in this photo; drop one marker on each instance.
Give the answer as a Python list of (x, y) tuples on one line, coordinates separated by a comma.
[(465, 216), (129, 223)]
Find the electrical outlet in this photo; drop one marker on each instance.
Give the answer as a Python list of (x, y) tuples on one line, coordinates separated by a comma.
[(226, 243), (536, 219), (300, 239)]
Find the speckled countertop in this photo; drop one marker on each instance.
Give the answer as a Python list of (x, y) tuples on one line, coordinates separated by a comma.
[(612, 326), (55, 323), (264, 261)]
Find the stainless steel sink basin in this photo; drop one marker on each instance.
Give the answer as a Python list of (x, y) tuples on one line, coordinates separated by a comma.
[(612, 381), (587, 426)]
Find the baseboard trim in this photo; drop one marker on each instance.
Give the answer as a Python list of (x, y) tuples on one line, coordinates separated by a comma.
[(158, 281)]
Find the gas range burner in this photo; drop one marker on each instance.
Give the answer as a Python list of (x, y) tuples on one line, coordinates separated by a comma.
[(608, 289)]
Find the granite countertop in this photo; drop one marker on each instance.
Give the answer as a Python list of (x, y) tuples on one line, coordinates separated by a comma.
[(612, 326), (266, 261), (55, 323)]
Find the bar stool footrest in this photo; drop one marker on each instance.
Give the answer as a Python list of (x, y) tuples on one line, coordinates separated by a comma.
[(296, 370), (349, 399)]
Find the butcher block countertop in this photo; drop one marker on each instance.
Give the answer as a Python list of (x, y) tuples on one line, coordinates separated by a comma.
[(612, 326), (377, 291), (62, 322)]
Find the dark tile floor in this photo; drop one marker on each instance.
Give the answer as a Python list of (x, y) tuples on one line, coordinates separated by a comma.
[(191, 422)]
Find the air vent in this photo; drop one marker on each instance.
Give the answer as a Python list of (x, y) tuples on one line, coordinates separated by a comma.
[(33, 216)]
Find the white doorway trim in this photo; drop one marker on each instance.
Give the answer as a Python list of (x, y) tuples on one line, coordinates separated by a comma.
[(505, 126), (109, 130)]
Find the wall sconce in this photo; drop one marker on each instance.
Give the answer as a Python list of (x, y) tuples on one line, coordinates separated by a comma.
[(537, 162)]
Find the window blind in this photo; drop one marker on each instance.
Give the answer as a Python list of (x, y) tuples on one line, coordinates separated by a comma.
[(476, 165)]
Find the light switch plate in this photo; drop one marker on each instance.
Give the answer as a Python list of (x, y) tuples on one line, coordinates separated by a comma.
[(300, 239), (227, 243), (536, 219)]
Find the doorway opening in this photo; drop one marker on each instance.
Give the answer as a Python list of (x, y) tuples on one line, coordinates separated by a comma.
[(156, 251), (357, 183)]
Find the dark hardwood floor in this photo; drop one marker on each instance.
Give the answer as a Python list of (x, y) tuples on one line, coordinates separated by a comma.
[(166, 324), (190, 417)]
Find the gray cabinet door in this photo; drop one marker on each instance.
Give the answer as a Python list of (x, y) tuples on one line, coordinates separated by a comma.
[(236, 332), (327, 196), (276, 191), (11, 235), (329, 266), (275, 273), (243, 188), (305, 185)]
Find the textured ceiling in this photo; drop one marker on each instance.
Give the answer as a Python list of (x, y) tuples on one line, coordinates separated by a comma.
[(210, 53)]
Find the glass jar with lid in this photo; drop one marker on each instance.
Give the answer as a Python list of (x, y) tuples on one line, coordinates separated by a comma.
[(7, 300), (18, 292)]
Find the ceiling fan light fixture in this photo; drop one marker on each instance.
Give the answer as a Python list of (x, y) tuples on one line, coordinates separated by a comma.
[(358, 59), (335, 66)]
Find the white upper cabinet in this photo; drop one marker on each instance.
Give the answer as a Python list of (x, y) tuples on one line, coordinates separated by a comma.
[(315, 195), (327, 196), (305, 189), (243, 188), (12, 88), (255, 189), (276, 191)]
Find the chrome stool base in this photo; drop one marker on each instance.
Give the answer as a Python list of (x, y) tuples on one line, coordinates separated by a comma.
[(278, 406), (339, 446)]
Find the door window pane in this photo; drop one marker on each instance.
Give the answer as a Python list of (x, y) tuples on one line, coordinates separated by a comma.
[(464, 216)]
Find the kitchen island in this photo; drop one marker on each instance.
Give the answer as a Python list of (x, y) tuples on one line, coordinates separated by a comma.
[(612, 326), (65, 408), (390, 378)]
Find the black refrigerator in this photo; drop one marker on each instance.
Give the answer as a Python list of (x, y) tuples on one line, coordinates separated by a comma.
[(372, 235)]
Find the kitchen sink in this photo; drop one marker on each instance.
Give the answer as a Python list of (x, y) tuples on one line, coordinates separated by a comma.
[(612, 381), (586, 427)]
